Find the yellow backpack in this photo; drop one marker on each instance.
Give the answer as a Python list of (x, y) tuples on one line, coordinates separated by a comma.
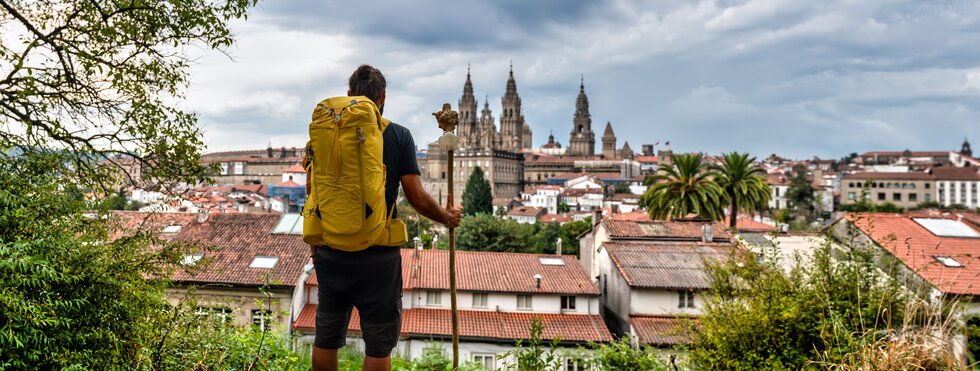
[(346, 207)]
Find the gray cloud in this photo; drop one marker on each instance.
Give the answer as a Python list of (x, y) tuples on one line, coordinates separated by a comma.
[(764, 76)]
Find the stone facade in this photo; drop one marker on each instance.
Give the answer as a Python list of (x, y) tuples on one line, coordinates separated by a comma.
[(581, 141)]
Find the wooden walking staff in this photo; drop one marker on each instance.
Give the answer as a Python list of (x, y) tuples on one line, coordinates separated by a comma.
[(448, 119)]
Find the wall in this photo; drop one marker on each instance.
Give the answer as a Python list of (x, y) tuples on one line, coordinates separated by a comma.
[(922, 189), (241, 301), (504, 302), (660, 302)]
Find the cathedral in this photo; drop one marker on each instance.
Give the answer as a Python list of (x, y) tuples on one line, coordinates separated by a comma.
[(480, 131), (506, 155)]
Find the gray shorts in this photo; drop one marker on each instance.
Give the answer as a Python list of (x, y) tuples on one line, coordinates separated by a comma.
[(369, 280)]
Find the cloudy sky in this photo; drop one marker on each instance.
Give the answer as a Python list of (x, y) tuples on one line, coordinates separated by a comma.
[(796, 78)]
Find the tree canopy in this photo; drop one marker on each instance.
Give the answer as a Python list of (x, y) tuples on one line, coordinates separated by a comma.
[(743, 183), (685, 188), (477, 198)]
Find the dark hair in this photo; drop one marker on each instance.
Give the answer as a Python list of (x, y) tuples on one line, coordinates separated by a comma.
[(367, 81)]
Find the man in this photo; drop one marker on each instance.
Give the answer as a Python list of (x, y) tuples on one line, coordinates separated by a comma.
[(370, 280)]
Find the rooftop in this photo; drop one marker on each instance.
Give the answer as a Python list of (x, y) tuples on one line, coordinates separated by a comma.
[(659, 331), (672, 230), (482, 325), (948, 263), (664, 265)]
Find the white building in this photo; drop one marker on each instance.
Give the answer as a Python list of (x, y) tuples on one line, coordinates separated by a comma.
[(526, 214), (543, 197), (498, 294), (958, 186), (779, 184)]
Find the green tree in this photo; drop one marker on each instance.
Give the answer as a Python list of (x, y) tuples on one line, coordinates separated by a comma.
[(759, 315), (102, 80), (685, 188), (563, 208), (743, 183), (800, 195), (622, 187), (535, 354), (91, 90), (621, 355), (484, 232), (477, 198)]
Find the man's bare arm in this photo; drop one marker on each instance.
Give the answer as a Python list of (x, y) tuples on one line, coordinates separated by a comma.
[(427, 206)]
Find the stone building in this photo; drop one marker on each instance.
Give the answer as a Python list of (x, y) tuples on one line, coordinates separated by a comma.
[(581, 141), (253, 166), (497, 153)]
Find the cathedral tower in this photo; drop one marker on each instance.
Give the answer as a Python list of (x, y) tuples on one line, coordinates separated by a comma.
[(512, 118), (468, 131), (609, 142), (581, 142), (487, 133)]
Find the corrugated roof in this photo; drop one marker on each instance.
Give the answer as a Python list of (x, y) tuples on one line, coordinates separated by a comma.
[(673, 230), (664, 265)]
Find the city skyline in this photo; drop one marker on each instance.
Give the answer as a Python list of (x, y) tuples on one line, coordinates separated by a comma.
[(795, 79)]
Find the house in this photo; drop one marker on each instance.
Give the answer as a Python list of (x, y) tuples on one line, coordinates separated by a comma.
[(501, 205), (905, 190), (650, 273), (958, 186), (526, 214), (582, 199), (543, 197), (498, 295), (779, 184), (255, 263)]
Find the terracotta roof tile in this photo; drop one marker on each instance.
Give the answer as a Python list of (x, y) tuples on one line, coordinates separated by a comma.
[(660, 331), (490, 325), (527, 211), (675, 230), (957, 173), (664, 265), (746, 224), (917, 247), (495, 272), (234, 240)]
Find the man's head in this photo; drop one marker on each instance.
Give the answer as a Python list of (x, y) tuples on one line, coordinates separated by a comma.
[(369, 82)]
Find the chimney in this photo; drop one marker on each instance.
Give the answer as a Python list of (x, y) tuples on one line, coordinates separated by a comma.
[(706, 233), (537, 280), (558, 247), (418, 243), (435, 242), (596, 217), (202, 216)]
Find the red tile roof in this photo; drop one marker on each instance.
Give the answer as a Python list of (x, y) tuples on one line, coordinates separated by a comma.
[(637, 216), (482, 325), (917, 248), (494, 272), (664, 265), (746, 224), (675, 230), (659, 331), (647, 159), (527, 211), (956, 173), (234, 240), (127, 223), (295, 169), (556, 218), (890, 176)]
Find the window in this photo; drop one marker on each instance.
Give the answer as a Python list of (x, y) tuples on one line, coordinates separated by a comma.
[(851, 184), (948, 261), (685, 299), (191, 259), (261, 319), (567, 302), (524, 302), (896, 196), (480, 300), (265, 262), (575, 364), (851, 196), (927, 185), (928, 196), (219, 314), (913, 197), (239, 168), (881, 196), (485, 360), (433, 298)]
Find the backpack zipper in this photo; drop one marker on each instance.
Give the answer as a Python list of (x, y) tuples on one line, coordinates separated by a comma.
[(360, 175)]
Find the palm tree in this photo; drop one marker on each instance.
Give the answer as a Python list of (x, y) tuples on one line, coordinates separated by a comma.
[(685, 188), (744, 184)]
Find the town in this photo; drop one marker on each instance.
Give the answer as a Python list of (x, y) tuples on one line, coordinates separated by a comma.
[(621, 275), (535, 186)]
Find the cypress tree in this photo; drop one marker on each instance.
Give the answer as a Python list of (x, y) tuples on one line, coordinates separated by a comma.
[(477, 198)]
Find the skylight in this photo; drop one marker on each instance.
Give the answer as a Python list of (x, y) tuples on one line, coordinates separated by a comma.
[(173, 228), (948, 261), (551, 261), (947, 227), (262, 261), (191, 259), (289, 224)]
